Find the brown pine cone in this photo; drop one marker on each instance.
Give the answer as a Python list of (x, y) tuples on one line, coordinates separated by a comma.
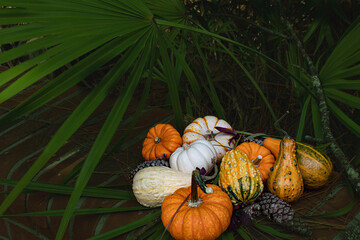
[(253, 210), (275, 208), (161, 161)]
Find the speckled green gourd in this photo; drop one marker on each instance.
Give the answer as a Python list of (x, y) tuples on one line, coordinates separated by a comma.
[(285, 179), (315, 166), (239, 178)]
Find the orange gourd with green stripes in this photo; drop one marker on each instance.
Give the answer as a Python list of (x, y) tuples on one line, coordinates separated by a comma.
[(239, 178), (315, 166)]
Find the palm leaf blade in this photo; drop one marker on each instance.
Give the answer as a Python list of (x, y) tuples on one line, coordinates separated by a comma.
[(103, 139), (71, 77), (343, 118), (126, 228)]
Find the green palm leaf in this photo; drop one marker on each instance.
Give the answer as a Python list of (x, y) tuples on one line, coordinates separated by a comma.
[(126, 228), (343, 84), (105, 136), (73, 76), (78, 212), (82, 112), (317, 125), (172, 79), (67, 190), (302, 121), (344, 57), (343, 97), (343, 118), (271, 231)]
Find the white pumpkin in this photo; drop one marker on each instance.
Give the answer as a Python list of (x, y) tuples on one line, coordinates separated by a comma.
[(187, 158), (204, 128), (152, 184)]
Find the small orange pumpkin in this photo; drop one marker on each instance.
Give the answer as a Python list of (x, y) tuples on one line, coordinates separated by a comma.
[(260, 156), (273, 145), (161, 139), (203, 216)]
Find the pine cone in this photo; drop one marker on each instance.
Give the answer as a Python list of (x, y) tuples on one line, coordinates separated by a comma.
[(282, 213), (255, 140), (161, 161), (253, 210), (275, 208)]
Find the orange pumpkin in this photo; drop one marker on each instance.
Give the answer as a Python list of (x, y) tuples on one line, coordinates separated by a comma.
[(260, 156), (161, 139), (273, 145), (203, 216)]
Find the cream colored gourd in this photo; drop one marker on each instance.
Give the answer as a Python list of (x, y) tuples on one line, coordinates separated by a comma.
[(204, 128), (198, 154), (152, 184)]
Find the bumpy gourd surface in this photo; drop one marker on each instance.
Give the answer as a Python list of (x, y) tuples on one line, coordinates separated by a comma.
[(285, 179), (204, 128), (206, 221), (315, 167), (239, 178)]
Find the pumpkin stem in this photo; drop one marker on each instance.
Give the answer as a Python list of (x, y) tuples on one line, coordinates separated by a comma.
[(257, 160), (157, 139), (209, 135), (194, 194), (277, 125), (200, 181), (186, 146)]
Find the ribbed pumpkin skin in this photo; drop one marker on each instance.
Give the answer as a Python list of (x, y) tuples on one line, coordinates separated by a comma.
[(239, 178), (204, 222), (204, 128), (161, 139), (315, 167), (199, 154), (273, 145), (253, 150), (285, 179)]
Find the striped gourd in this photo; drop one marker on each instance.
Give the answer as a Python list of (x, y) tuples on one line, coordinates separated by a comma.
[(285, 180), (239, 178), (315, 167)]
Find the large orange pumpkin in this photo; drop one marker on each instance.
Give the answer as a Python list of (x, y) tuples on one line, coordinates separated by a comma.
[(204, 218), (161, 139), (260, 156)]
